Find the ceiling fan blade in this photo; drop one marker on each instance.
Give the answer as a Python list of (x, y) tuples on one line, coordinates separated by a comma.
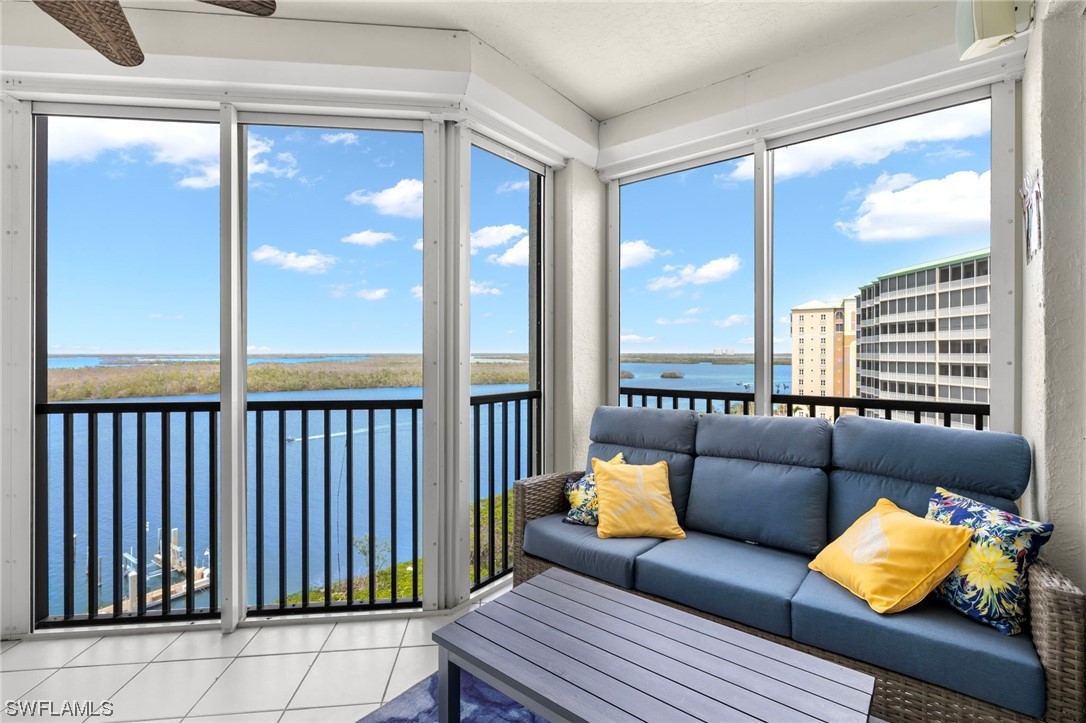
[(263, 8), (99, 23)]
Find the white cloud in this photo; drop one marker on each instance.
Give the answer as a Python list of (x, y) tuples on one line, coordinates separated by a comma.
[(783, 320), (417, 245), (511, 186), (949, 153), (404, 199), (416, 291), (371, 294), (732, 320), (904, 209), (282, 165), (347, 139), (491, 236), (313, 262), (515, 255), (368, 238), (679, 321), (254, 349), (715, 270), (338, 291), (635, 253), (694, 310), (482, 288), (872, 144), (636, 339)]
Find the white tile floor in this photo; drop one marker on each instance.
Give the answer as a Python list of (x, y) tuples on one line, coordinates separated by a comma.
[(298, 673)]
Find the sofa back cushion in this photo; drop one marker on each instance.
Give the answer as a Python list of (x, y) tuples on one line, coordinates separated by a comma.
[(646, 436), (905, 462), (761, 479)]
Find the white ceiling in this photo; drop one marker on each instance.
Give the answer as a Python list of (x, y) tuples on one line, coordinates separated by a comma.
[(610, 58)]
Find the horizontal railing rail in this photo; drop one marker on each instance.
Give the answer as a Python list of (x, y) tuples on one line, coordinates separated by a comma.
[(502, 453), (150, 471), (915, 410)]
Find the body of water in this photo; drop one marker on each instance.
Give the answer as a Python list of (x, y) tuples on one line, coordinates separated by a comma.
[(286, 482)]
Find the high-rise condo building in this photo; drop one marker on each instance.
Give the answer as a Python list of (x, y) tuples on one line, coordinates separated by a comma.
[(924, 333), (824, 348)]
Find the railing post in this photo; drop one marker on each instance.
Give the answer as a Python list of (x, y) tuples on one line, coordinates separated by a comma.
[(232, 360)]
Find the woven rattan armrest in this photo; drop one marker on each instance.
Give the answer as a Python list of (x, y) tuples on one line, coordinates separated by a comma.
[(1058, 626), (536, 497)]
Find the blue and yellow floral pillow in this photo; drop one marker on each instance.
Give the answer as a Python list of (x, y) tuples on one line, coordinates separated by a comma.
[(584, 506), (990, 583)]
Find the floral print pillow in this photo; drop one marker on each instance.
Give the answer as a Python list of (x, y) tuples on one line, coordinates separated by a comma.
[(989, 584), (584, 506)]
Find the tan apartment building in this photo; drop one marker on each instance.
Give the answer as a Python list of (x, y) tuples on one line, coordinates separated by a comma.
[(824, 348)]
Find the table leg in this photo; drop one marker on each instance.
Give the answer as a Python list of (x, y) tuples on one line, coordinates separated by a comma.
[(448, 677)]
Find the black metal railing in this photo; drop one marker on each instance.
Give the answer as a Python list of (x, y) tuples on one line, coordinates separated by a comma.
[(334, 505), (946, 414), (504, 444), (124, 463)]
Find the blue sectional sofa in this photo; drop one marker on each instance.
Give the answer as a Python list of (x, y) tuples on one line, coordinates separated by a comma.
[(759, 497)]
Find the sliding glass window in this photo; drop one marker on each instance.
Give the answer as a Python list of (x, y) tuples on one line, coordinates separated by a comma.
[(882, 262), (687, 289), (506, 230), (334, 242), (127, 369)]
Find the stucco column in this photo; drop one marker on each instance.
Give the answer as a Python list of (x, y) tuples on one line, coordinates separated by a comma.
[(1053, 320), (580, 309)]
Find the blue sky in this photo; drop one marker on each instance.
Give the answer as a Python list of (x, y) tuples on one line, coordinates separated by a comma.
[(335, 221), (334, 240), (847, 208)]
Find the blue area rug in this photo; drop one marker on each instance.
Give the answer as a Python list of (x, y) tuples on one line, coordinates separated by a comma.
[(478, 702)]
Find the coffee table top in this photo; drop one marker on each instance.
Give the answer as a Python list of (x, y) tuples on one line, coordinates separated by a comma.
[(582, 650)]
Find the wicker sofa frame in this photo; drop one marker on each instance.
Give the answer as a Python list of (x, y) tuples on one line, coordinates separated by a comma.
[(1057, 624)]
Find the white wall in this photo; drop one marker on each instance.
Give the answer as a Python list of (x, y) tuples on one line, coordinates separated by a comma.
[(1053, 402), (580, 313)]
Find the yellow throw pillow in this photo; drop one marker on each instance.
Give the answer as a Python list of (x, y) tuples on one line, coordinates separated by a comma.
[(635, 501), (892, 558)]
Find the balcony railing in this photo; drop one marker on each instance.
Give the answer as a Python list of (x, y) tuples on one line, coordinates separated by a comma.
[(150, 470), (127, 505), (919, 411), (503, 451)]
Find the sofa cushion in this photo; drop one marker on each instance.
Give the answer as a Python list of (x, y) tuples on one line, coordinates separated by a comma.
[(746, 583), (905, 462), (580, 549), (646, 436), (759, 479), (930, 642)]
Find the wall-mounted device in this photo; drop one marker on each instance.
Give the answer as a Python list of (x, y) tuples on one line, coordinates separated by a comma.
[(985, 25)]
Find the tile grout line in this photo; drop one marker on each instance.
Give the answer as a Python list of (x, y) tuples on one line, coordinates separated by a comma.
[(309, 668), (395, 660), (217, 678)]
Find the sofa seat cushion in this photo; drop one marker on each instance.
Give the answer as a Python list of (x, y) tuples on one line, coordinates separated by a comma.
[(747, 583), (930, 641), (579, 548)]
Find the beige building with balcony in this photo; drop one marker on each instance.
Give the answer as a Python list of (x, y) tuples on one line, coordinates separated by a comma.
[(824, 348)]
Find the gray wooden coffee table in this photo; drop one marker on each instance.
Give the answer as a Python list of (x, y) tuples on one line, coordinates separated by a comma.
[(574, 649)]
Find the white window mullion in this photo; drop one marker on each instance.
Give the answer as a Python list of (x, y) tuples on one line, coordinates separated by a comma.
[(763, 278), (232, 353), (1005, 381), (17, 419)]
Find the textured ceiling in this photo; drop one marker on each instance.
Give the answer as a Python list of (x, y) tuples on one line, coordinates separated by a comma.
[(613, 57)]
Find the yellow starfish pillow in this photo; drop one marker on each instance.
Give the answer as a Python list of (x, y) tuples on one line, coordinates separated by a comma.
[(892, 558), (635, 501)]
